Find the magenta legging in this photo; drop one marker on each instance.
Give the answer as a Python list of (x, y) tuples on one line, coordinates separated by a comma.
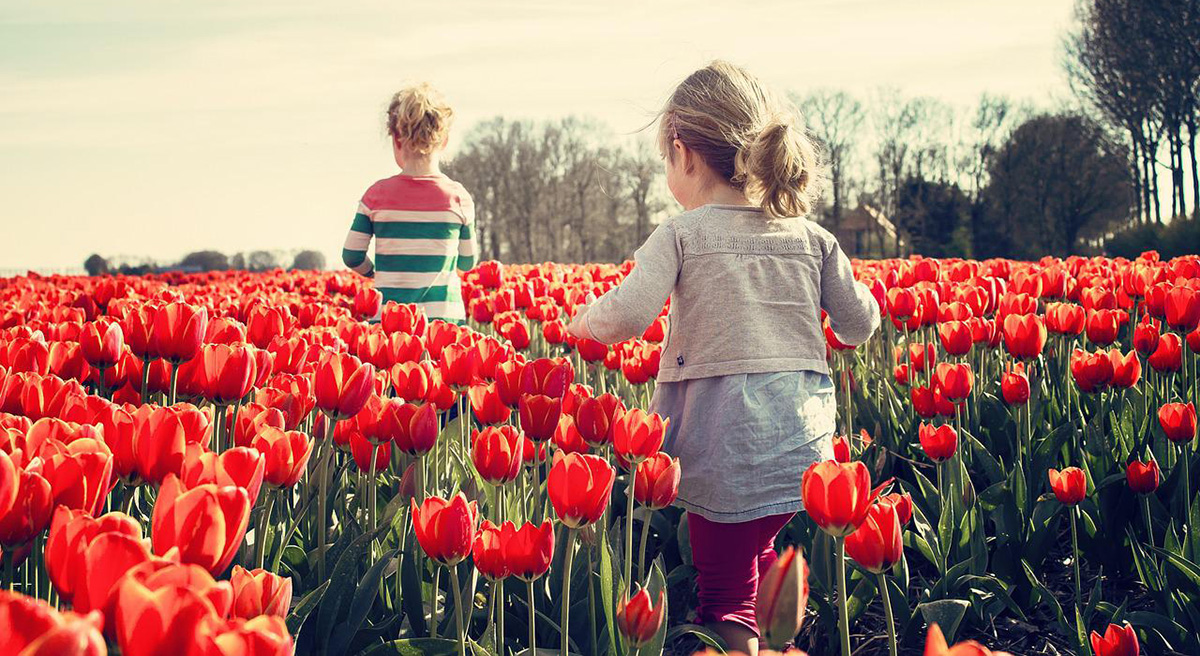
[(729, 558)]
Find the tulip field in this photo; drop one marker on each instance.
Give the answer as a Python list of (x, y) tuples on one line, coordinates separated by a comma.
[(257, 464)]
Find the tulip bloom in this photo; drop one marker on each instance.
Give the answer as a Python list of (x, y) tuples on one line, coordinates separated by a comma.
[(259, 592), (1116, 641), (343, 385), (102, 343), (938, 442), (30, 514), (1103, 326), (410, 380), (955, 380), (80, 475), (529, 549), (153, 621), (595, 416), (228, 372), (285, 455), (877, 544), (486, 403), (179, 331), (1168, 355), (1142, 477), (902, 502), (206, 523), (446, 529), (1145, 336), (1127, 369), (547, 376), (1182, 308), (579, 486), (239, 466), (782, 598), (1024, 335), (837, 495), (638, 435), (487, 553), (1178, 421), (413, 428), (1091, 371), (1014, 385), (32, 627), (656, 481), (639, 619), (935, 645), (567, 437), (496, 453), (75, 567), (367, 303), (539, 415), (1069, 485), (956, 337)]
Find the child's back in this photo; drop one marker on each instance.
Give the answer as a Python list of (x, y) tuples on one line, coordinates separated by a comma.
[(423, 230)]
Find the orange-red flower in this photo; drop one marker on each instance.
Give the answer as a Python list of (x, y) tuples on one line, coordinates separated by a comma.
[(594, 418), (656, 481), (367, 302), (638, 435), (529, 549), (179, 331), (640, 618), (285, 455), (1182, 308), (579, 486), (877, 544), (938, 442), (837, 495), (489, 409), (1024, 335), (29, 515), (782, 598), (413, 428), (1116, 641), (343, 385), (1178, 421), (955, 380), (205, 523), (102, 343), (259, 592), (1069, 485), (239, 466), (1127, 369), (539, 415), (1142, 477), (496, 453), (80, 474), (229, 372), (446, 529), (32, 627), (75, 567), (547, 376), (1168, 355), (1092, 371), (1014, 385), (935, 645)]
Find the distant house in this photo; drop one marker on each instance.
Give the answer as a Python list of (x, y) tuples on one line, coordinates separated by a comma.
[(865, 232)]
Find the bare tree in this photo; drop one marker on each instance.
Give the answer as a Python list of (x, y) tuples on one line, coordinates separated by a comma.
[(835, 119)]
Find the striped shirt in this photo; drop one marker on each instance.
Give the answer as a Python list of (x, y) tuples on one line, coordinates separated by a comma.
[(424, 231)]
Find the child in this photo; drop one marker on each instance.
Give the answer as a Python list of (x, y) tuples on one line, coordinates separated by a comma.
[(744, 379), (422, 221)]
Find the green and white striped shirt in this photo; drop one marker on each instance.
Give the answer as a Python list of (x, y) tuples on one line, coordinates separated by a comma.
[(424, 231)]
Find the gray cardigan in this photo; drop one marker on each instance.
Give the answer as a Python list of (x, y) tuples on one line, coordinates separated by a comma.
[(746, 295)]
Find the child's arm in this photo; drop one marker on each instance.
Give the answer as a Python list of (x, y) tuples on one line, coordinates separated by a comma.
[(468, 245), (630, 308), (354, 252), (853, 312)]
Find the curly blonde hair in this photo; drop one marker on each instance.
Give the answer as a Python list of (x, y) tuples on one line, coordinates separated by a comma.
[(419, 118), (754, 140)]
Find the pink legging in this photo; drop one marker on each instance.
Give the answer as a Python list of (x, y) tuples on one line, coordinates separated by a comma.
[(729, 559)]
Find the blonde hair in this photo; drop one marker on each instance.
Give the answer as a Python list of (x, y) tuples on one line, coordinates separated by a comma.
[(754, 140), (419, 117)]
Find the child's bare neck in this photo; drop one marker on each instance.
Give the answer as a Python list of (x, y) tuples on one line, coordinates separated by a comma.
[(422, 166)]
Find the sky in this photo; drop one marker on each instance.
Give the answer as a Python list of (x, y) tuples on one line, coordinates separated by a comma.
[(159, 127)]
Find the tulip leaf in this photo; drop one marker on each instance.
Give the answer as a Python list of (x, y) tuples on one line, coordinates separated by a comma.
[(946, 613), (364, 597), (1044, 592), (607, 586), (302, 610), (1176, 636), (1186, 568), (703, 634), (417, 647)]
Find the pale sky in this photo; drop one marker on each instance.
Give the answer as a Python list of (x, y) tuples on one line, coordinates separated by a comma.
[(158, 127)]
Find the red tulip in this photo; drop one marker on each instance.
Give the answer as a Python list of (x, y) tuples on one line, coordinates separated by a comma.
[(1182, 306), (1178, 421), (343, 385), (1145, 336), (285, 455), (403, 318), (259, 592), (539, 415), (459, 366), (160, 439), (923, 401), (410, 380), (546, 376), (68, 554), (1168, 356), (1069, 485), (1014, 385), (487, 552), (496, 453), (1103, 326), (638, 435), (413, 428), (169, 620), (1127, 369), (32, 627), (10, 482), (1116, 641), (265, 323), (252, 419), (446, 529), (486, 403), (1142, 477), (579, 487), (656, 481), (80, 475), (639, 619), (239, 466), (902, 502), (595, 417), (29, 515), (529, 549), (592, 351), (1092, 371), (956, 337), (206, 523), (102, 343), (567, 437), (1024, 336), (179, 331), (265, 635), (229, 372), (938, 442), (877, 543), (841, 448), (955, 380), (782, 598), (935, 645), (367, 303), (836, 495)]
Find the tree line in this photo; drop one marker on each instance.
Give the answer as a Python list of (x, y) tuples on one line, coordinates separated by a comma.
[(207, 260)]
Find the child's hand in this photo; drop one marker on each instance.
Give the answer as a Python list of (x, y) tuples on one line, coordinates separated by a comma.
[(578, 327)]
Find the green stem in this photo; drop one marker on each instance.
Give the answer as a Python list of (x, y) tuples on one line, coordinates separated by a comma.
[(145, 378), (174, 379), (642, 547), (592, 638), (433, 602), (458, 611), (887, 610), (9, 577), (1075, 561), (498, 592), (532, 620), (260, 533), (566, 597), (1146, 516), (322, 493), (629, 530), (843, 613)]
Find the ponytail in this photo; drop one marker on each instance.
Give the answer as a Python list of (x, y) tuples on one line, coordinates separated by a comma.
[(780, 166)]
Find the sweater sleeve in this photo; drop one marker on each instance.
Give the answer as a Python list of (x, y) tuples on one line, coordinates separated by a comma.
[(358, 240), (853, 312), (628, 309), (468, 243)]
